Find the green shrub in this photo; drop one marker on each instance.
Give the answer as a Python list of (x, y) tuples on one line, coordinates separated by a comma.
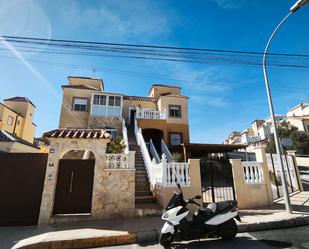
[(116, 146)]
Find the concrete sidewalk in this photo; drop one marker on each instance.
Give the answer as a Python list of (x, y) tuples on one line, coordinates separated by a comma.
[(139, 230)]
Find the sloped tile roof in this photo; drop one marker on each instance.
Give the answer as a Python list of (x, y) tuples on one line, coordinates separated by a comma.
[(20, 99), (78, 133), (175, 96), (9, 137), (83, 87), (139, 98)]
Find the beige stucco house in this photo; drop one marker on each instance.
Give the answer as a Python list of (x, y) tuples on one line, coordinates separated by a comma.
[(162, 114), (150, 125), (16, 117), (16, 125), (298, 116)]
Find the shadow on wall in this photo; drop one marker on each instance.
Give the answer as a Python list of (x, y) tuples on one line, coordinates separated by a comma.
[(78, 154)]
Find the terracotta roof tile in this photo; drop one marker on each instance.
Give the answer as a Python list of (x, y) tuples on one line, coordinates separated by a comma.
[(140, 98), (175, 96), (78, 133)]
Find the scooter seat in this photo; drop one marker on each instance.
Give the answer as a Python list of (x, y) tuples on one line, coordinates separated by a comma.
[(211, 210), (203, 214), (221, 206)]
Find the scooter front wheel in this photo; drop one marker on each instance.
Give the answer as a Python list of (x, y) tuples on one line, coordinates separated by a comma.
[(166, 239), (228, 230)]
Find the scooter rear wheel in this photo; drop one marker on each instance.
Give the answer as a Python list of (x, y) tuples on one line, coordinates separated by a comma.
[(228, 230), (166, 239)]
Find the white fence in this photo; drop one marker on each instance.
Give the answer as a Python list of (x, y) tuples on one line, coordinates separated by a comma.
[(120, 161), (166, 174), (253, 172), (150, 114)]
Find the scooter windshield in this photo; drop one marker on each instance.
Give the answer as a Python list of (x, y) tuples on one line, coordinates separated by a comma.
[(176, 200)]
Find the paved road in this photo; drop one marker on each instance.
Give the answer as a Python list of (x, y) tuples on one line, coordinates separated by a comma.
[(283, 238)]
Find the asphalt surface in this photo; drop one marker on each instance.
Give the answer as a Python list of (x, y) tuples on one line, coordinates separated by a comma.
[(282, 238)]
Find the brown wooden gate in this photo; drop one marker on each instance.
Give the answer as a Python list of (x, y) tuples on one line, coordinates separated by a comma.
[(21, 185), (74, 186)]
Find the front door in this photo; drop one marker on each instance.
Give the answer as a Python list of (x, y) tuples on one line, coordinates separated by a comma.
[(132, 116), (74, 186)]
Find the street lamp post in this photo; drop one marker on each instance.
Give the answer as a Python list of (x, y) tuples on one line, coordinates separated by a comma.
[(293, 9)]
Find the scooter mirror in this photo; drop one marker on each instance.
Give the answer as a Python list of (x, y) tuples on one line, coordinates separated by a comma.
[(178, 185), (198, 197)]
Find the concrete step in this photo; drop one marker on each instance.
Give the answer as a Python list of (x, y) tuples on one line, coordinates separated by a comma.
[(141, 183), (145, 199), (142, 193), (148, 209)]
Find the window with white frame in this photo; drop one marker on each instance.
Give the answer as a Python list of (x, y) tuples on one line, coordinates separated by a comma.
[(106, 105), (175, 138), (80, 104), (10, 120), (175, 111)]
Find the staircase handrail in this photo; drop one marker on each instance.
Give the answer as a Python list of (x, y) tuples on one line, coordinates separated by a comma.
[(141, 142), (154, 152), (166, 151), (125, 137)]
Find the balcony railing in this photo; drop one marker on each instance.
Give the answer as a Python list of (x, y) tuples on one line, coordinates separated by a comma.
[(150, 114)]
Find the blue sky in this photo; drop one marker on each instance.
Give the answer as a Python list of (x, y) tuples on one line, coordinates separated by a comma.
[(223, 98)]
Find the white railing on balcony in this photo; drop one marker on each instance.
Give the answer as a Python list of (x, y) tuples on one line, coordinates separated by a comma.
[(120, 161), (253, 172), (150, 114), (166, 174), (125, 136), (166, 151)]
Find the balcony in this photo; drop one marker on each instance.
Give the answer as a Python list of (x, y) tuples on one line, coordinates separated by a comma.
[(150, 114)]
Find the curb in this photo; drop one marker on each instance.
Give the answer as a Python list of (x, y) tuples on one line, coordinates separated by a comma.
[(130, 238), (261, 226), (153, 235)]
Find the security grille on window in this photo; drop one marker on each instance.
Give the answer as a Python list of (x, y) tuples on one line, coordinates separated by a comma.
[(175, 138), (175, 111), (80, 104)]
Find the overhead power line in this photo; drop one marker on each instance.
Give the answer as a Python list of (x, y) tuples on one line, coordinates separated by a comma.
[(153, 52), (149, 75)]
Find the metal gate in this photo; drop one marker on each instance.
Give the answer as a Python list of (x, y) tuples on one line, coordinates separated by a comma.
[(74, 186), (21, 185), (275, 174), (217, 179)]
